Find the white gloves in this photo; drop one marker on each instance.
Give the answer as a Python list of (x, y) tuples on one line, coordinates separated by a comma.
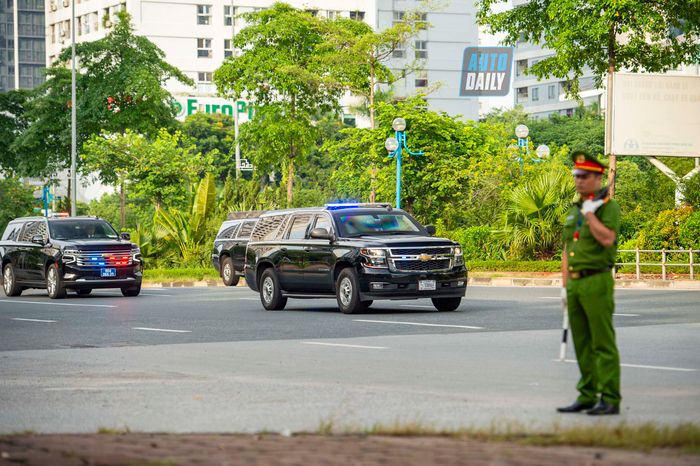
[(564, 301), (591, 206)]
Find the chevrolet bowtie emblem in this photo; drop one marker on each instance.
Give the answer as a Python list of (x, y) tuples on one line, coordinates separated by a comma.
[(424, 257)]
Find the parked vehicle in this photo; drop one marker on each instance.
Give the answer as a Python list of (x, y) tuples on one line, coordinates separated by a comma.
[(357, 253), (76, 253), (228, 255)]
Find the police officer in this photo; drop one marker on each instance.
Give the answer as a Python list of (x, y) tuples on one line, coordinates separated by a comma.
[(590, 247)]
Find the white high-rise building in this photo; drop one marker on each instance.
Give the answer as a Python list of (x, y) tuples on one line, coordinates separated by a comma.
[(196, 37)]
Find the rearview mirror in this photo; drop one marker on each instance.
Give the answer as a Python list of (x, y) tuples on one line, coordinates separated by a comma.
[(125, 236), (38, 239), (320, 233), (430, 229)]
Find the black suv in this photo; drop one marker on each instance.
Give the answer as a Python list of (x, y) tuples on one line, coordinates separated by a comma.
[(228, 255), (79, 253), (356, 253)]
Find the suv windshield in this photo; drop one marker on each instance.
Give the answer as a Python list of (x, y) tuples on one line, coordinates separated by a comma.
[(377, 224), (82, 229)]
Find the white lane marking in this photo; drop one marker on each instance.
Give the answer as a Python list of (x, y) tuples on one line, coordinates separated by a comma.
[(249, 299), (416, 323), (83, 389), (550, 297), (149, 329), (343, 345), (643, 366), (53, 304), (141, 294), (626, 315), (33, 320), (417, 305)]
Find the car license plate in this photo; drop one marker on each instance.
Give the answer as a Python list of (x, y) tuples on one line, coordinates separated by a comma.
[(108, 272), (426, 285)]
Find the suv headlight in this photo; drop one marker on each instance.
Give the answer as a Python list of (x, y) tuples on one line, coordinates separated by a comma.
[(136, 254), (459, 255), (374, 258), (70, 255)]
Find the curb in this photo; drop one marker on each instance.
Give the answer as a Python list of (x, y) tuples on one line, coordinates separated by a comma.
[(479, 281)]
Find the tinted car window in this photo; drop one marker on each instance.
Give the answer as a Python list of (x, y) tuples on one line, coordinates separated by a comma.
[(323, 222), (267, 228), (32, 229), (373, 224), (11, 232), (246, 230), (299, 225), (82, 229), (229, 232)]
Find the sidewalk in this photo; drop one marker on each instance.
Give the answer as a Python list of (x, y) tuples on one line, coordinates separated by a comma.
[(308, 450), (497, 279)]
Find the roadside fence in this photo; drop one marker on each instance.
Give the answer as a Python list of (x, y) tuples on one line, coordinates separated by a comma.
[(663, 258)]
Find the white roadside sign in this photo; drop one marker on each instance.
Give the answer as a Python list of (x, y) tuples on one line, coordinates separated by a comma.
[(656, 115)]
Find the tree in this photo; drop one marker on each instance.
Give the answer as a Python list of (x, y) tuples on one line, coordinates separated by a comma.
[(160, 170), (13, 121), (119, 85), (605, 36), (213, 134), (16, 200), (281, 68)]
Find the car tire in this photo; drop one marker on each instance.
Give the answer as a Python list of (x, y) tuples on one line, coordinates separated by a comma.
[(83, 291), (54, 283), (9, 284), (347, 292), (130, 291), (270, 292), (446, 304), (228, 273)]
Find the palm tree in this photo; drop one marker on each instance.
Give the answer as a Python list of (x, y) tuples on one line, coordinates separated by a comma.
[(535, 214)]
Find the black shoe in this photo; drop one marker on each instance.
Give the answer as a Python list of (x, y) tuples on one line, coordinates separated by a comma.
[(577, 407), (603, 408)]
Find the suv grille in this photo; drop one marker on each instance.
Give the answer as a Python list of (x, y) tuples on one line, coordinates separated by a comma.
[(421, 259), (104, 259)]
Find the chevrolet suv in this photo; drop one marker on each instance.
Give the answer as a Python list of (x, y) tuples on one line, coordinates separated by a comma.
[(355, 253), (228, 254), (77, 253)]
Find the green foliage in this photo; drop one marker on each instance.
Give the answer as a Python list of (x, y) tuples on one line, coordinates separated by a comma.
[(535, 213), (689, 232), (180, 274), (595, 34), (691, 192), (514, 266), (139, 210), (16, 200), (119, 86), (664, 231), (213, 134), (13, 121), (160, 170)]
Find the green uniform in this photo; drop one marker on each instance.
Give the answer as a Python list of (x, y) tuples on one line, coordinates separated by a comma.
[(591, 305)]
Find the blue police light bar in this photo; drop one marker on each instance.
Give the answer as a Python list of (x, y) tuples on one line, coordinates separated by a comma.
[(351, 205)]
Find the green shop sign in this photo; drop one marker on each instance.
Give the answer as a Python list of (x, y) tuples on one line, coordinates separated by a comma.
[(193, 105)]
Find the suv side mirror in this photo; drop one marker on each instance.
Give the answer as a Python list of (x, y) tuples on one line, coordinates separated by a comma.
[(430, 229), (320, 233), (38, 239), (125, 236)]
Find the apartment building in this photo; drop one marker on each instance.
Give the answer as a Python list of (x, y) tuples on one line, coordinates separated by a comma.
[(196, 37), (22, 51)]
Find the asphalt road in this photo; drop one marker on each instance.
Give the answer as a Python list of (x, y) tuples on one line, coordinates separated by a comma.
[(211, 359)]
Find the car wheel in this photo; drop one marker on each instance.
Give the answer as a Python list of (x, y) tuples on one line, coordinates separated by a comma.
[(131, 290), (347, 292), (83, 291), (9, 284), (446, 304), (270, 292), (54, 283), (228, 273)]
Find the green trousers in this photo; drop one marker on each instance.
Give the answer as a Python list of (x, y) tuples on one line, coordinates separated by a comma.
[(591, 306)]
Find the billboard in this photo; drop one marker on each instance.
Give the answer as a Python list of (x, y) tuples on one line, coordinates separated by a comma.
[(486, 71), (656, 115)]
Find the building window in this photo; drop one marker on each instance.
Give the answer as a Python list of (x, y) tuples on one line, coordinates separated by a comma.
[(421, 78), (332, 14), (399, 51), (398, 17), (204, 48), (535, 94), (228, 48), (204, 14), (229, 18), (521, 95), (520, 67), (312, 12), (552, 92), (421, 49), (204, 77), (357, 15)]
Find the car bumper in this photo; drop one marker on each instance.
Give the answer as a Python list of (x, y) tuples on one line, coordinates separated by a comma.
[(215, 262), (83, 277), (380, 284)]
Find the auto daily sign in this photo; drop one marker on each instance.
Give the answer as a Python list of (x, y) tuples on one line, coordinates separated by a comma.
[(486, 71)]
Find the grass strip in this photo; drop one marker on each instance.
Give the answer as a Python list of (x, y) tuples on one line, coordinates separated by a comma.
[(180, 275)]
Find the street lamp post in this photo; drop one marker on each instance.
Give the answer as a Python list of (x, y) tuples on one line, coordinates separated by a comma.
[(73, 118), (521, 131), (393, 145)]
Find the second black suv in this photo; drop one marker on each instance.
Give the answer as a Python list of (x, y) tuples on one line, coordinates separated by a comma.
[(228, 255), (357, 254), (79, 253)]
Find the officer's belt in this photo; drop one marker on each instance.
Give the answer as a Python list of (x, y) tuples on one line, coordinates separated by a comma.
[(587, 273)]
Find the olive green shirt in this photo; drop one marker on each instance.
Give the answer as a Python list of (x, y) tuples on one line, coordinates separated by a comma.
[(585, 252)]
